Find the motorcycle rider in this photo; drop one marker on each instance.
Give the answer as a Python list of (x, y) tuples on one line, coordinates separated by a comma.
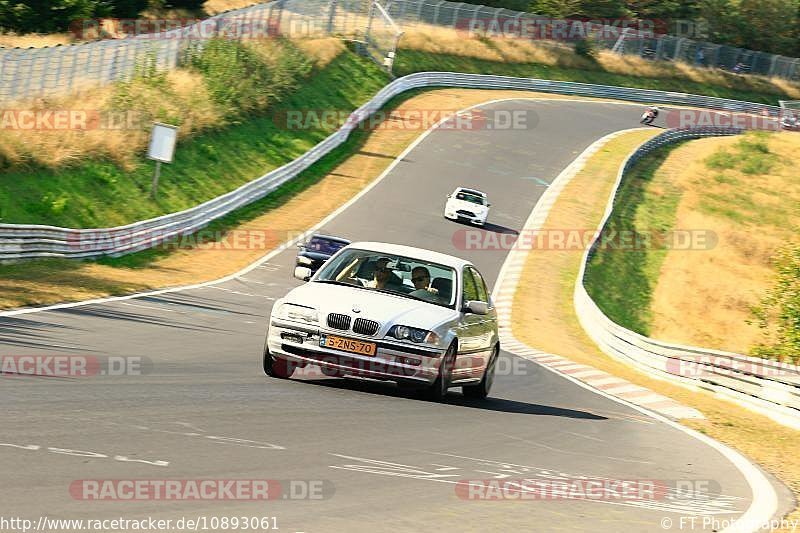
[(650, 115)]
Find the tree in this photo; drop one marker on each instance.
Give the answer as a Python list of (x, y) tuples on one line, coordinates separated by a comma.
[(47, 16), (192, 5), (127, 8), (556, 8)]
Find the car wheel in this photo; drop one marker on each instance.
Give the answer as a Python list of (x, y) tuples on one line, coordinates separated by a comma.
[(438, 390), (277, 368), (481, 390)]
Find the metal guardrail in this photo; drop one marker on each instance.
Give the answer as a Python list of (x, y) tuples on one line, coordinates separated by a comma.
[(64, 69), (775, 384), (23, 241), (763, 383), (647, 45)]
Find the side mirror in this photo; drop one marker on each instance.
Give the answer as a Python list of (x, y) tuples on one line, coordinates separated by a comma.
[(301, 244), (302, 273), (476, 308)]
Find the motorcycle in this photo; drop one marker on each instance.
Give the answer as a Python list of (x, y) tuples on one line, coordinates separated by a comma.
[(648, 117)]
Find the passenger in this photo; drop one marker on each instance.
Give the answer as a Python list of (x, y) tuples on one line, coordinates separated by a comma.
[(421, 278), (383, 277)]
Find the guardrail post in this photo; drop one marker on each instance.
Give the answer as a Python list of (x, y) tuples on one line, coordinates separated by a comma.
[(659, 47), (419, 11), (678, 47), (436, 12), (332, 15), (772, 64)]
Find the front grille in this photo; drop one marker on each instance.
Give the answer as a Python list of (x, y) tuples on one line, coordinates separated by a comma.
[(464, 212), (338, 321), (365, 327)]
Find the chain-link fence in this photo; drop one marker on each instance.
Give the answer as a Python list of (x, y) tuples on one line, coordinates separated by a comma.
[(62, 69), (39, 72), (648, 45)]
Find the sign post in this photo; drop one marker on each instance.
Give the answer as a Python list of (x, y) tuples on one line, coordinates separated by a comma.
[(161, 150)]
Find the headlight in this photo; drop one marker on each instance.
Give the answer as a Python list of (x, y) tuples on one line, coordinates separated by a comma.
[(407, 333), (303, 260), (299, 313)]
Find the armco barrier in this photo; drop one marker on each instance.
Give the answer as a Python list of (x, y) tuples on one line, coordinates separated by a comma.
[(769, 386), (23, 241)]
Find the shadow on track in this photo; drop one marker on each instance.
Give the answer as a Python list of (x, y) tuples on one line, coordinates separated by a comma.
[(488, 227), (501, 405), (495, 228)]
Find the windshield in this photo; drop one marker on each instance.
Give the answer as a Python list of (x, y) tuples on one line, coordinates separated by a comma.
[(324, 246), (471, 198), (403, 276)]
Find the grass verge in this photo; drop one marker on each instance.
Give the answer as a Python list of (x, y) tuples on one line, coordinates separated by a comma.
[(544, 298), (294, 208), (100, 193), (410, 60), (737, 195)]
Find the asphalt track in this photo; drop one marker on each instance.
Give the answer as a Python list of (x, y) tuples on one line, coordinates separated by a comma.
[(203, 409)]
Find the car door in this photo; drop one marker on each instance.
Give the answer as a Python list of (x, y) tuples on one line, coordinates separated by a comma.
[(471, 343), (488, 322)]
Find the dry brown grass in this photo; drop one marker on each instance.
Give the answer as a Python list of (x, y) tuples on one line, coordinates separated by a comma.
[(79, 281), (212, 7), (118, 135), (183, 94), (35, 40), (704, 297), (448, 41), (322, 50), (544, 298), (435, 39)]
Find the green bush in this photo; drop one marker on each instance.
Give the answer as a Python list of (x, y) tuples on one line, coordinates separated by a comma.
[(751, 156), (779, 311), (244, 79), (47, 15), (193, 5), (586, 48)]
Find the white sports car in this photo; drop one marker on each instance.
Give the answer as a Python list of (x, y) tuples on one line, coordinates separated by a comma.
[(392, 313), (467, 204)]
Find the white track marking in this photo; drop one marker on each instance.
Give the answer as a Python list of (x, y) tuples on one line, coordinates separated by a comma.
[(764, 504), (231, 291), (263, 263), (248, 280), (765, 501)]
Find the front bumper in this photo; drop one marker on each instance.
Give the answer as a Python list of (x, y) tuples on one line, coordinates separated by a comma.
[(393, 361), (476, 219)]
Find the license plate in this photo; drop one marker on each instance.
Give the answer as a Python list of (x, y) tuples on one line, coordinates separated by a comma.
[(348, 345)]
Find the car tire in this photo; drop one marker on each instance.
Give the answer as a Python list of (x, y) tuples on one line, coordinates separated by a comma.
[(480, 391), (277, 367), (438, 389)]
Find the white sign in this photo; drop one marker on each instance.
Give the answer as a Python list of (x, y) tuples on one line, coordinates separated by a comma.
[(162, 142)]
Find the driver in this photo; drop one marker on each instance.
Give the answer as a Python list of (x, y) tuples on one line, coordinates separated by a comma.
[(421, 278), (383, 277)]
